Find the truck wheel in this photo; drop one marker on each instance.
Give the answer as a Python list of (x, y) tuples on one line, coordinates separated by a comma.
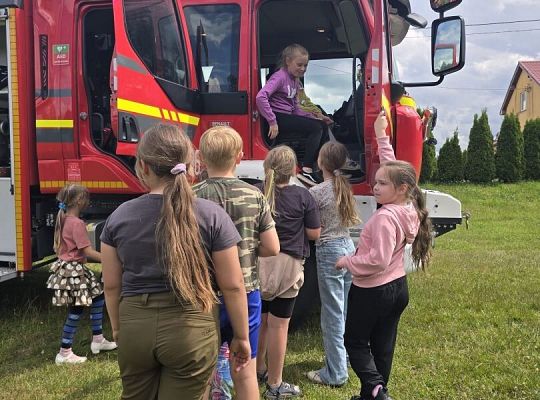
[(308, 301)]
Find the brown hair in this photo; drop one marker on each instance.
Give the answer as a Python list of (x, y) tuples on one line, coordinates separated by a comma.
[(403, 173), (219, 146), (67, 198), (332, 157), (178, 240), (288, 53), (279, 165)]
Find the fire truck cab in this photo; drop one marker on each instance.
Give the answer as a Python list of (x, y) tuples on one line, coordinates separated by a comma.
[(81, 80)]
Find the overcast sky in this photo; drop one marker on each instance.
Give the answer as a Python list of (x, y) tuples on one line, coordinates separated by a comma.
[(490, 63)]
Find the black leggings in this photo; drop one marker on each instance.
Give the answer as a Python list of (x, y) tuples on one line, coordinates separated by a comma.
[(371, 330), (292, 127)]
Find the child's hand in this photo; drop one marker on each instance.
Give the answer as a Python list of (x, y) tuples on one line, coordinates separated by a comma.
[(380, 125), (240, 353), (341, 264), (327, 120), (273, 132)]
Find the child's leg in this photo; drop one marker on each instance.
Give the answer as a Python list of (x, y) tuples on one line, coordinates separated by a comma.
[(96, 317), (70, 328), (262, 346), (383, 339), (363, 311), (280, 312), (99, 343), (333, 288), (308, 128)]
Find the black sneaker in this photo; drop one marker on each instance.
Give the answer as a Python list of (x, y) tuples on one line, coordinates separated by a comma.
[(309, 178), (351, 165), (283, 391)]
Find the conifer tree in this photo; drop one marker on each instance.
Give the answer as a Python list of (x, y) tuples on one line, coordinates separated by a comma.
[(480, 165), (450, 162), (531, 150), (464, 158), (509, 155)]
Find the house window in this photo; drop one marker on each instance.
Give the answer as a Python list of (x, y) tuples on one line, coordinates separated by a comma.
[(523, 101)]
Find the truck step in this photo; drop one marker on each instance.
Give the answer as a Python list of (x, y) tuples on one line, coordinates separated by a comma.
[(7, 273)]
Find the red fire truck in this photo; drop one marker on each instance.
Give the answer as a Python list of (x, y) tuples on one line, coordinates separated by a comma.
[(80, 80)]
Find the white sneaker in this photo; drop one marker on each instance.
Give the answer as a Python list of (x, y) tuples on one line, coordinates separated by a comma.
[(71, 358), (105, 345)]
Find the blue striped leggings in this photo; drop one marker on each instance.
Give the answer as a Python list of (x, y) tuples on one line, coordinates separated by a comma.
[(74, 318)]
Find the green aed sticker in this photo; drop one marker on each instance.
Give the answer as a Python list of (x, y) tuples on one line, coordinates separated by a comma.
[(60, 54)]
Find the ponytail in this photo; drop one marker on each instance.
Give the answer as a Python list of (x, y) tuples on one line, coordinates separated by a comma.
[(178, 241), (279, 165), (421, 250), (345, 202), (332, 157), (59, 224), (180, 245), (270, 189)]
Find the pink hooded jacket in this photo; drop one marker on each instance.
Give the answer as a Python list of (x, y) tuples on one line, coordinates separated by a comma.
[(379, 256)]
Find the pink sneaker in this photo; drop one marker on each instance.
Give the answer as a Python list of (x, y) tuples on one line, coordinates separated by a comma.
[(71, 358), (104, 345)]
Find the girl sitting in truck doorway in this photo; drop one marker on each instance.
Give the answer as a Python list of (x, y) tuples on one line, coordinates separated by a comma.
[(278, 104), (73, 283), (379, 293)]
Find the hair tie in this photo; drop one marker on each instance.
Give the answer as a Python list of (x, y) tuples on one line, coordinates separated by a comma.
[(62, 206), (337, 172), (178, 169)]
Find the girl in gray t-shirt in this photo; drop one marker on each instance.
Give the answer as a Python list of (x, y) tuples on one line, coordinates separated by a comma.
[(338, 212)]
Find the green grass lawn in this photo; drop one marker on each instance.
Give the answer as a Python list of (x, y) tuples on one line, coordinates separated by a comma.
[(471, 331)]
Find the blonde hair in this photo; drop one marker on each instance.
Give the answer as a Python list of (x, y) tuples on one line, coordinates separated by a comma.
[(403, 173), (67, 198), (279, 165), (178, 240), (288, 53), (332, 157), (220, 146)]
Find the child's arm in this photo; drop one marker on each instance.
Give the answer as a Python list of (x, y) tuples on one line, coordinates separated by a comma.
[(313, 234), (112, 282), (386, 152), (263, 97), (379, 254), (92, 254), (231, 283), (268, 243)]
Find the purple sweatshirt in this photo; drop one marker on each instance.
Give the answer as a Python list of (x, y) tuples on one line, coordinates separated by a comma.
[(379, 256), (279, 95)]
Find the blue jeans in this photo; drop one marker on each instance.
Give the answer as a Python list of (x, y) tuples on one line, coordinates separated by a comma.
[(334, 288)]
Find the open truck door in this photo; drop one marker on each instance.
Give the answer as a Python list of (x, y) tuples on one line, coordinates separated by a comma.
[(377, 94), (152, 77)]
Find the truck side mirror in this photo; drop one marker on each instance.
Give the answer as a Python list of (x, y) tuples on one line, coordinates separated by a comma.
[(440, 6), (447, 45)]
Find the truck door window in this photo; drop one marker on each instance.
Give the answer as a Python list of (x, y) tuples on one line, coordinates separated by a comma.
[(152, 28), (214, 32)]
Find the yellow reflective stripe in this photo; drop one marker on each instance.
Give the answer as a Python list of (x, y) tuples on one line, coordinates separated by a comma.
[(188, 119), (407, 101), (88, 184), (156, 112), (139, 108), (386, 105), (17, 164), (54, 123)]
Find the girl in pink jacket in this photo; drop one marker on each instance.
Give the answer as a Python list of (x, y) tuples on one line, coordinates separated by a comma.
[(379, 294)]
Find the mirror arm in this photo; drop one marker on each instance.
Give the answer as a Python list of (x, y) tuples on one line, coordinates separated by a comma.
[(422, 84)]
